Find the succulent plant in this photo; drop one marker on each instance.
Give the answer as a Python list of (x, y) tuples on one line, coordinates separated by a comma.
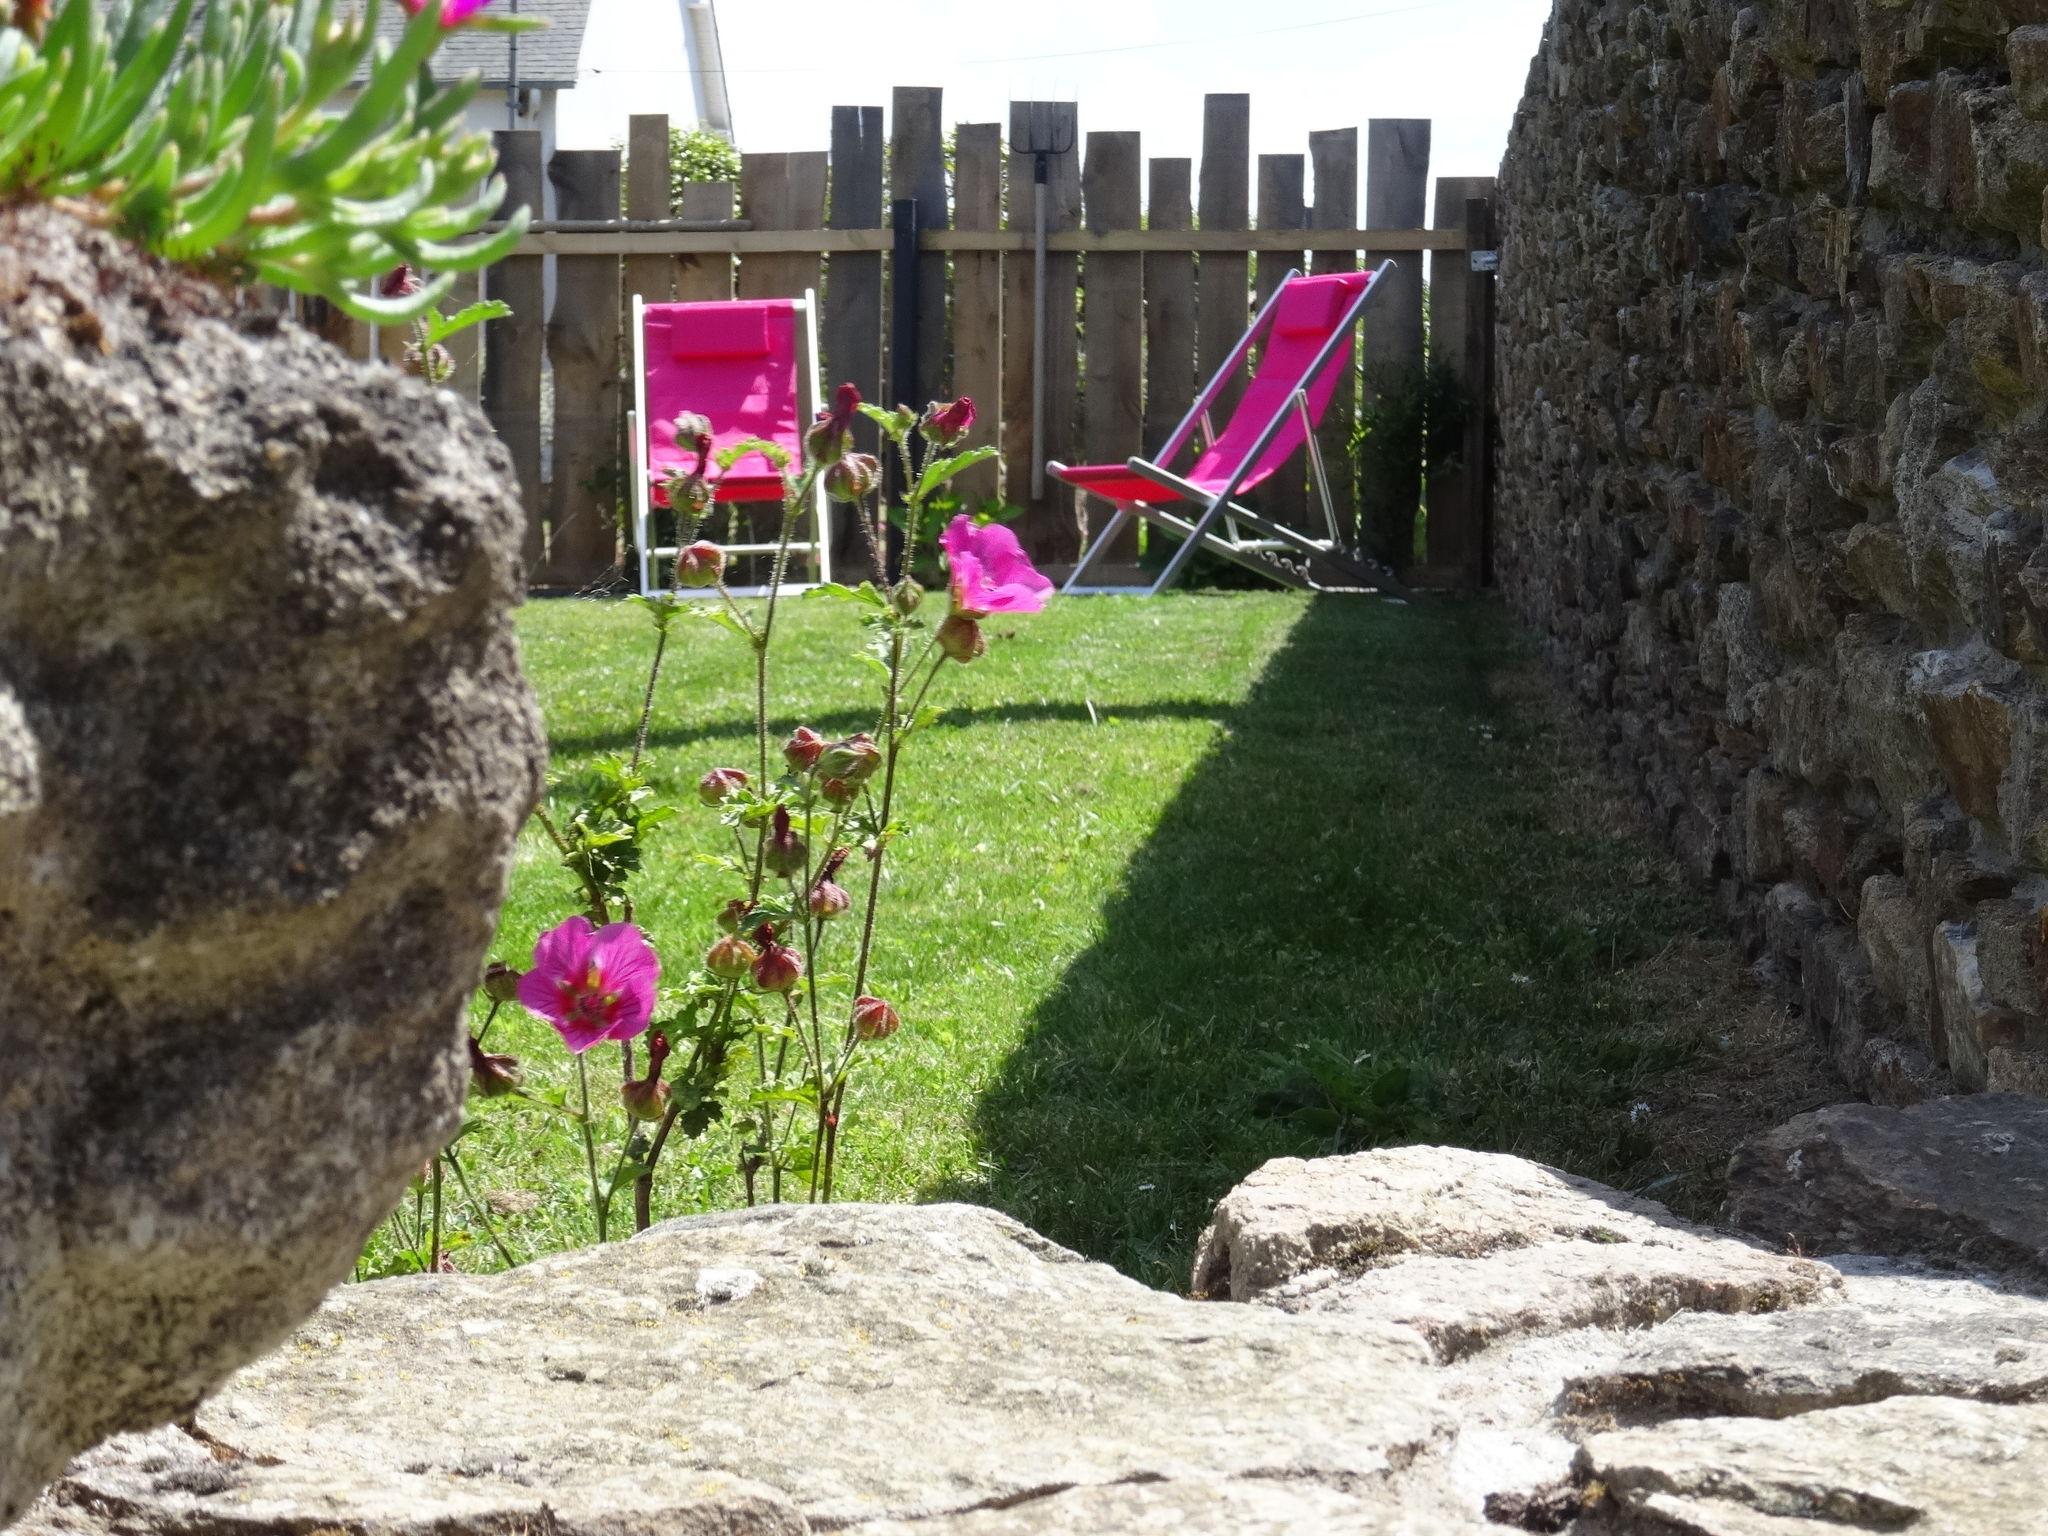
[(214, 145)]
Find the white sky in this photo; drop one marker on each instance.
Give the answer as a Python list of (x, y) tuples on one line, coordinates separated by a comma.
[(1129, 64)]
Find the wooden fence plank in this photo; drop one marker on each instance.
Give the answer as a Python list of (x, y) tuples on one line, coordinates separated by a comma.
[(1282, 206), (1225, 203), (785, 191), (1456, 510), (1396, 182), (917, 168), (652, 276), (1113, 315), (851, 339), (1169, 304), (705, 276), (1045, 528), (1333, 162), (514, 352), (978, 294), (585, 487)]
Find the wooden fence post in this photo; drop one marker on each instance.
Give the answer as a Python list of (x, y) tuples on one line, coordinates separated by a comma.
[(586, 486), (978, 295), (917, 169), (1169, 306), (1396, 185), (513, 353), (1281, 206), (1461, 341), (707, 278), (1333, 162), (1225, 204), (1113, 317), (652, 277), (1045, 529)]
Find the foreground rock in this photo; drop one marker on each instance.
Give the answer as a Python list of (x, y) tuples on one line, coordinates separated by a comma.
[(1958, 1180), (1438, 1336), (789, 1369), (264, 746)]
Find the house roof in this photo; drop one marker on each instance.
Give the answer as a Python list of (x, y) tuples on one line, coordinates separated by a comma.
[(547, 57)]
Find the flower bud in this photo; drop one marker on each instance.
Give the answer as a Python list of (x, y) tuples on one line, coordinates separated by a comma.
[(693, 433), (779, 967), (646, 1098), (720, 785), (401, 282), (907, 596), (501, 983), (961, 638), (435, 364), (854, 759), (491, 1077), (853, 477), (828, 899), (733, 914), (802, 749), (838, 793), (831, 435), (947, 422), (874, 1019), (701, 564), (730, 958), (785, 852)]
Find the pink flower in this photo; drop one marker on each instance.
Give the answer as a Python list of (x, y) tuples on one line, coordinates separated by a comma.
[(991, 572), (453, 13), (592, 985)]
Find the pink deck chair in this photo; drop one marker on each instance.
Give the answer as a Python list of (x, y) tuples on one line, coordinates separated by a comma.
[(741, 366), (1307, 327)]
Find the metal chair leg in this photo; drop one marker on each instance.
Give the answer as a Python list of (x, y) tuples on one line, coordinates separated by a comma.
[(1096, 547)]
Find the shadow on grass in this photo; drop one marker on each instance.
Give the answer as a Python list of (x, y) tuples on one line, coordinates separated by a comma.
[(1365, 918), (845, 722)]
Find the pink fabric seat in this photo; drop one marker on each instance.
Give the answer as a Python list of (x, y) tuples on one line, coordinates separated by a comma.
[(736, 364), (1310, 308)]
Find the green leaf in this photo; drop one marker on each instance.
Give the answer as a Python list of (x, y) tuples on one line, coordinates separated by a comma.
[(864, 593), (939, 471), (439, 330)]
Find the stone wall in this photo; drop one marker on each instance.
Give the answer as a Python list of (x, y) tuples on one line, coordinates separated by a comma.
[(1773, 365)]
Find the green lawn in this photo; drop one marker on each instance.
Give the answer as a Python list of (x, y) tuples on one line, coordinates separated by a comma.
[(1194, 882)]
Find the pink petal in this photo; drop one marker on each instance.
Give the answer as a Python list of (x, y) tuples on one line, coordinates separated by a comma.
[(561, 954), (579, 1036), (630, 968), (991, 572)]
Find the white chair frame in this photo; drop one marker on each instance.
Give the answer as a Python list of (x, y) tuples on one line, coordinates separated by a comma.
[(818, 548)]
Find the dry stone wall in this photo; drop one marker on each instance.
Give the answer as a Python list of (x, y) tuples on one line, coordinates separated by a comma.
[(1772, 378)]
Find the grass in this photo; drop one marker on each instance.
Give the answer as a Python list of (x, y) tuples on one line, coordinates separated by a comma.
[(1193, 883)]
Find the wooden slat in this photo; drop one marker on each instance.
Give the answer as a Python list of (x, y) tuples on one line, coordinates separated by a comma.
[(652, 276), (851, 338), (1396, 180), (741, 242), (1046, 529), (1169, 305), (917, 168), (1455, 504), (1333, 163), (514, 350), (978, 294), (1225, 204), (1113, 317), (1282, 206), (583, 344), (785, 191), (705, 276)]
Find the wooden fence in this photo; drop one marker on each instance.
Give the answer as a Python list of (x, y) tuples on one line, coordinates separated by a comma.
[(1163, 259)]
